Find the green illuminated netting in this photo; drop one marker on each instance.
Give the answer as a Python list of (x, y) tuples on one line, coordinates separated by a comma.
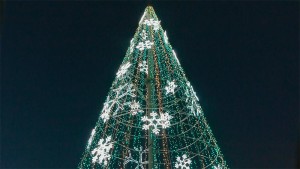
[(151, 117)]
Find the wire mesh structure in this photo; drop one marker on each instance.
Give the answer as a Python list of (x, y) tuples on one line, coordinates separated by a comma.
[(151, 117)]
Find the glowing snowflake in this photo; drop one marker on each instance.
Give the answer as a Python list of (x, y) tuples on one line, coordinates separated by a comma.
[(124, 90), (105, 116), (149, 22), (191, 99), (123, 69), (148, 44), (101, 152), (153, 23), (171, 87), (112, 106), (143, 67), (121, 92), (106, 110), (194, 108), (141, 46), (135, 108), (140, 161), (143, 34), (156, 26), (163, 121), (183, 162), (91, 137)]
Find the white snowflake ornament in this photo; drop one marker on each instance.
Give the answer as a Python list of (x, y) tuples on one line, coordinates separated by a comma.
[(112, 106), (106, 110), (141, 46), (148, 44), (163, 121), (101, 152), (183, 162), (120, 93), (135, 108), (152, 22), (191, 99), (124, 90), (143, 34), (143, 67), (156, 26), (105, 116), (171, 87), (140, 161), (123, 69)]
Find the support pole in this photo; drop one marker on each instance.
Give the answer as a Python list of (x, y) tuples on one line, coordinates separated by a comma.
[(149, 84)]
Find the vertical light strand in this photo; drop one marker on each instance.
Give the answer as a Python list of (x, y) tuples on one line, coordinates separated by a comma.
[(172, 72), (157, 79)]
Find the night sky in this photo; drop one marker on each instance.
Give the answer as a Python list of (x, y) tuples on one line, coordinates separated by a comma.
[(58, 61)]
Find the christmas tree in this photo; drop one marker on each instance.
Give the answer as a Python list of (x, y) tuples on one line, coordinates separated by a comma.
[(151, 117)]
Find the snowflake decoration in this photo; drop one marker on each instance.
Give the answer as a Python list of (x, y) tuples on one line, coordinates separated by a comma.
[(123, 69), (139, 162), (124, 90), (141, 46), (191, 99), (166, 39), (148, 44), (144, 34), (101, 152), (156, 25), (131, 46), (135, 108), (171, 87), (195, 109), (106, 110), (163, 121), (143, 67), (105, 116), (119, 93), (91, 137), (153, 23), (183, 162)]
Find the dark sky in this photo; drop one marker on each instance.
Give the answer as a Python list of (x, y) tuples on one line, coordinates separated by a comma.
[(58, 60)]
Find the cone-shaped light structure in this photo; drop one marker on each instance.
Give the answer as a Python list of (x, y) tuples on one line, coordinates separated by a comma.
[(151, 117)]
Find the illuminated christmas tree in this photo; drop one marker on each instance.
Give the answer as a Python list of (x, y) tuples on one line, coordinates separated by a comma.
[(151, 117)]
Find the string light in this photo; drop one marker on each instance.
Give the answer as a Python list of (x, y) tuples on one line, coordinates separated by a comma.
[(151, 105)]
